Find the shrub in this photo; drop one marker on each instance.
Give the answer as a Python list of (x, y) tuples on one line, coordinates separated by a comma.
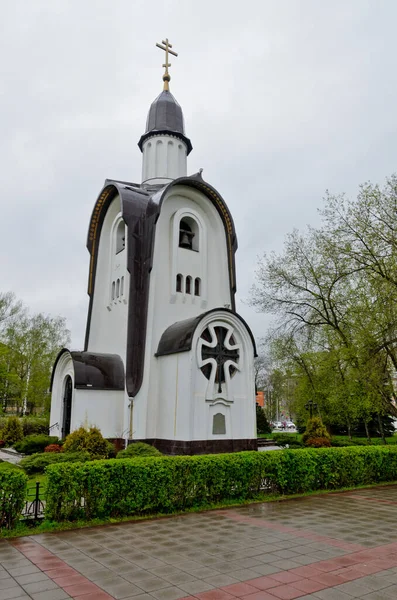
[(315, 429), (7, 466), (318, 442), (35, 425), (32, 444), (37, 463), (12, 431), (138, 449), (111, 449), (343, 443), (53, 448), (116, 488), (90, 440), (262, 424), (12, 495), (287, 439)]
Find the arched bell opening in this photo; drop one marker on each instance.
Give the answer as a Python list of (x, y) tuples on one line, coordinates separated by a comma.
[(189, 234), (120, 237)]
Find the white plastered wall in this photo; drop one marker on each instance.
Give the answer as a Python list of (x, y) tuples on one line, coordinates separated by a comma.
[(185, 411), (164, 158), (109, 318), (100, 408), (165, 305)]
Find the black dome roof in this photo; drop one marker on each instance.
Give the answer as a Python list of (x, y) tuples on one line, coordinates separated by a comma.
[(165, 116)]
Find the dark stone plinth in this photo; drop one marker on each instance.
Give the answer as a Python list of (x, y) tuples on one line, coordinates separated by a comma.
[(200, 446)]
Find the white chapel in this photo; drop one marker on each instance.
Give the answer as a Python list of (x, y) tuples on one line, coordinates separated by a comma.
[(167, 360)]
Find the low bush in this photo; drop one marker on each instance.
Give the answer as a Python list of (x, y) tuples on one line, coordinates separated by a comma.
[(35, 425), (89, 440), (53, 448), (138, 449), (32, 444), (37, 463), (7, 466), (12, 431), (318, 442), (12, 495), (315, 430), (115, 488), (343, 443), (287, 439)]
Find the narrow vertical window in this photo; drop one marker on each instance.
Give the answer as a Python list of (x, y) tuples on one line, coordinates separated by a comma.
[(188, 284), (122, 286), (113, 290), (120, 237), (179, 280), (118, 288), (197, 286)]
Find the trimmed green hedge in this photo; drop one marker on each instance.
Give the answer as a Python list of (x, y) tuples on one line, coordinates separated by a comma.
[(114, 488), (12, 496)]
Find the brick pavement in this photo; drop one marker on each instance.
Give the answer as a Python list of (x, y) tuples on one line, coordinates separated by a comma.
[(334, 546)]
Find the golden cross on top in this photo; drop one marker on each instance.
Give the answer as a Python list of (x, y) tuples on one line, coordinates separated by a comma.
[(166, 47)]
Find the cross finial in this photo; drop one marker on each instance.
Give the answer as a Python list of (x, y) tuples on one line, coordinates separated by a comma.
[(166, 47)]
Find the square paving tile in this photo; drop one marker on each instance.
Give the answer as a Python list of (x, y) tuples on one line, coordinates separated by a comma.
[(13, 592)]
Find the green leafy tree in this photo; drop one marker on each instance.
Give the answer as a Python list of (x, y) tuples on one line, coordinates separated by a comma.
[(12, 431), (332, 293), (28, 347), (262, 424)]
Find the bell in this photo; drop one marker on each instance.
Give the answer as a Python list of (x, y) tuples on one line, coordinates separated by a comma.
[(185, 240)]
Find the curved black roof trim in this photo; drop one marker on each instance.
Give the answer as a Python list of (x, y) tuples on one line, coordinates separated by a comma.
[(154, 132), (94, 371), (179, 336), (60, 353), (140, 209)]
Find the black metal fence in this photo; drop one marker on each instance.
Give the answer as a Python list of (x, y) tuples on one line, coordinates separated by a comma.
[(34, 505)]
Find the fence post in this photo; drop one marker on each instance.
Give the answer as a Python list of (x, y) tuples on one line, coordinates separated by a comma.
[(37, 500)]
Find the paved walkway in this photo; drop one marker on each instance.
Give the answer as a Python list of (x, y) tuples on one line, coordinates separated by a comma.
[(10, 456), (334, 546)]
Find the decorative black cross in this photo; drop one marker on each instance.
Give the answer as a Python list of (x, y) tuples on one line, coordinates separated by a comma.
[(220, 353)]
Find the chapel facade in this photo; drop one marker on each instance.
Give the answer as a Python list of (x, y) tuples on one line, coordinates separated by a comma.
[(167, 360)]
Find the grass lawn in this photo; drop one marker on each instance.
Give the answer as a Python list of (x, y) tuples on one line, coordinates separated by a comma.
[(31, 489)]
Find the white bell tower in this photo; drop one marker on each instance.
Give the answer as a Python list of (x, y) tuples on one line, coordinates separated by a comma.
[(164, 145)]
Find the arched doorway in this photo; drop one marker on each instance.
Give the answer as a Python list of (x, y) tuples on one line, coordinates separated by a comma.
[(67, 406)]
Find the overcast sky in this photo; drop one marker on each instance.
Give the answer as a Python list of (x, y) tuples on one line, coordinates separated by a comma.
[(282, 99)]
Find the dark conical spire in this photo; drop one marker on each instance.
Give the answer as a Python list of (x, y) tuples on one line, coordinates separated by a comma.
[(165, 116)]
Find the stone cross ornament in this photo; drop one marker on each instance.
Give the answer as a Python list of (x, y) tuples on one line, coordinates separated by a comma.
[(219, 358)]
